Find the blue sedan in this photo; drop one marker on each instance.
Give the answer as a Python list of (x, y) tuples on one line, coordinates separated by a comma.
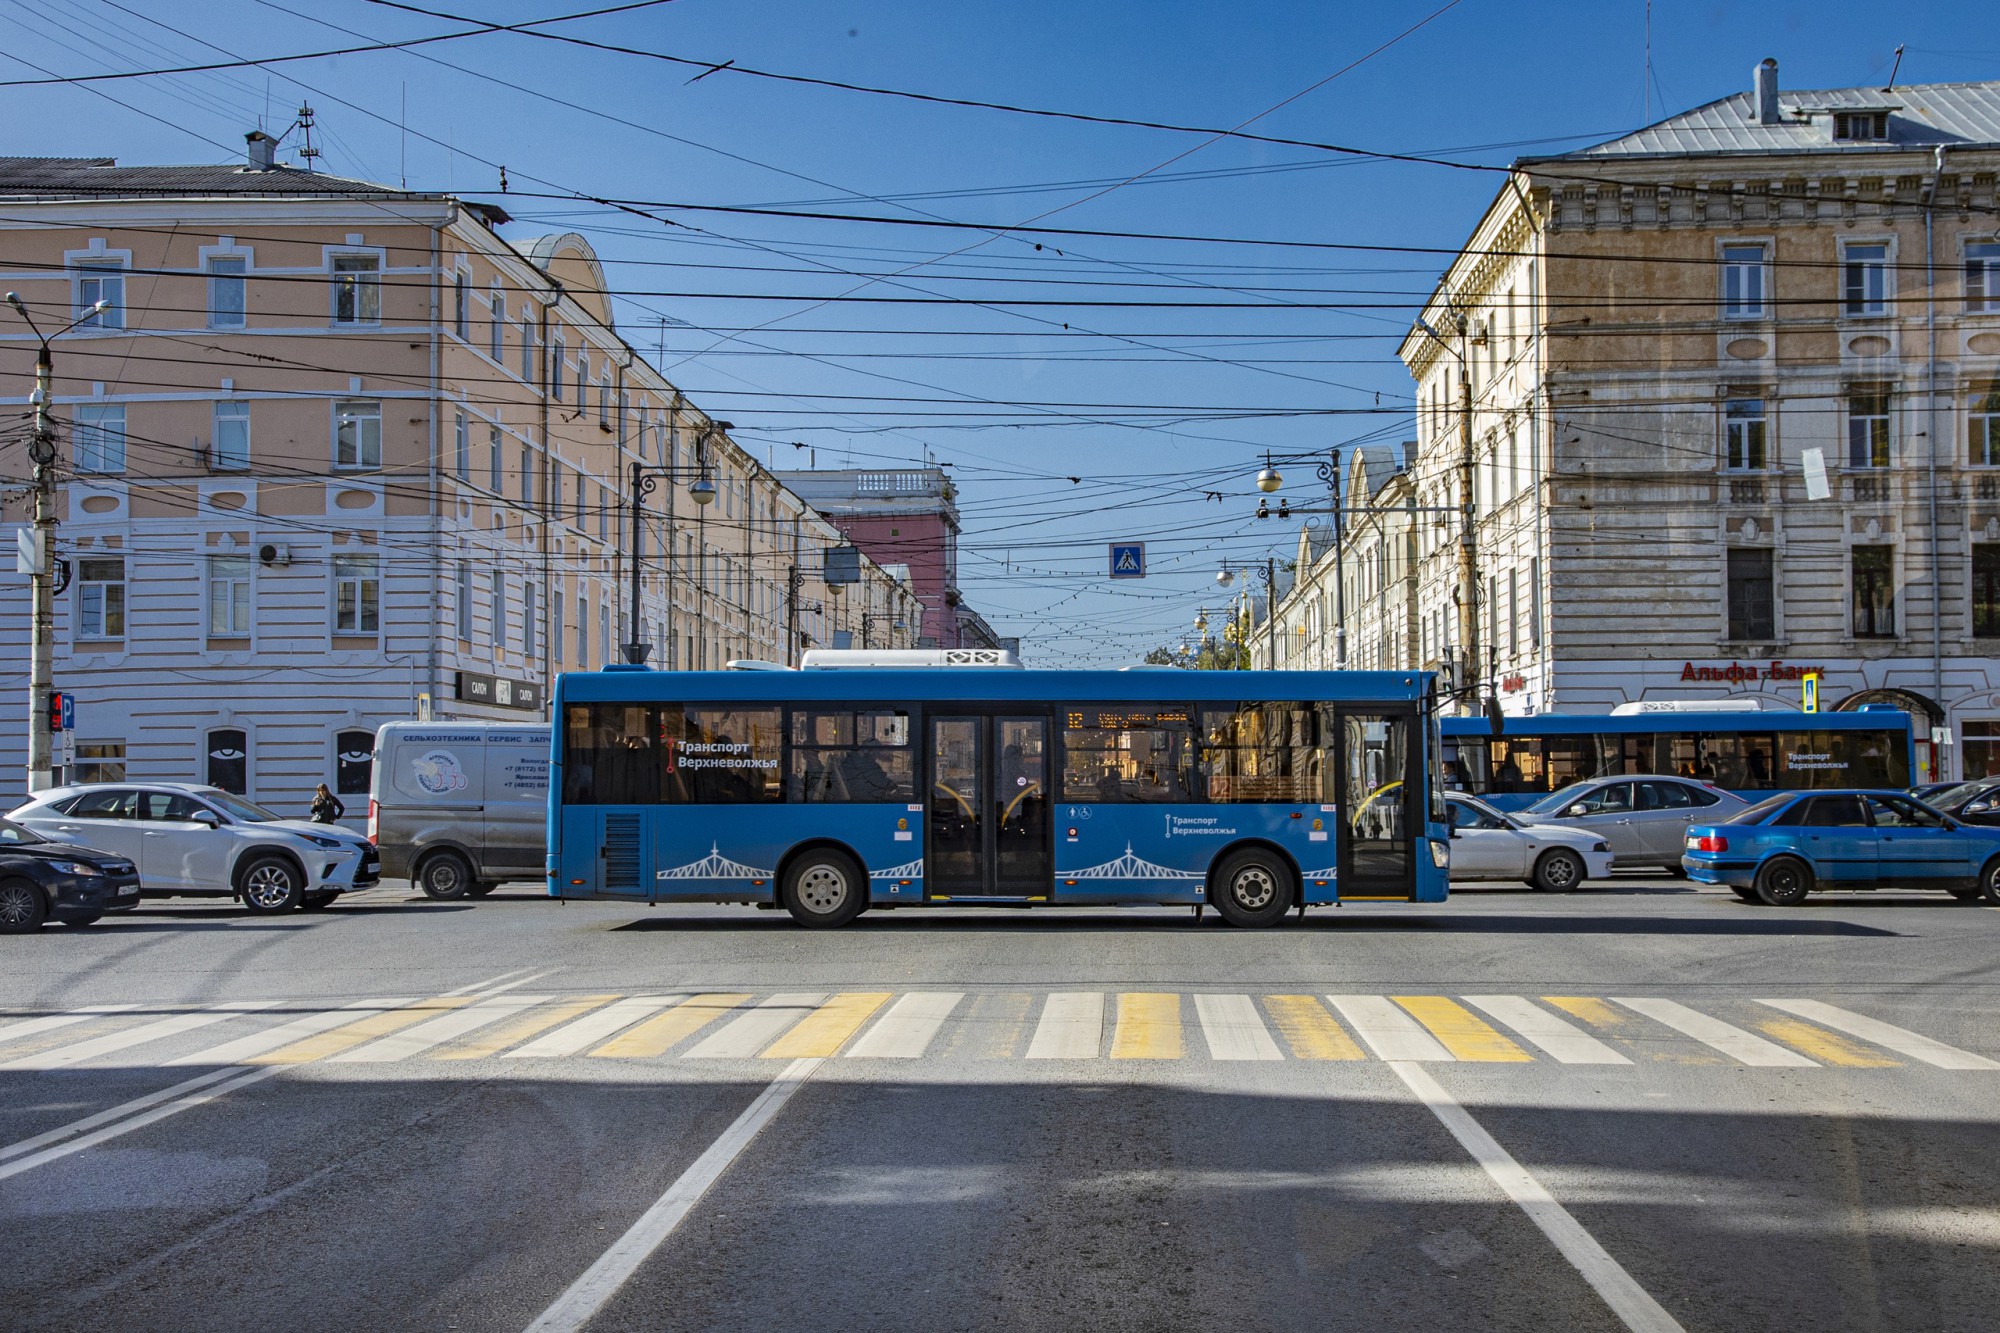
[(1780, 850)]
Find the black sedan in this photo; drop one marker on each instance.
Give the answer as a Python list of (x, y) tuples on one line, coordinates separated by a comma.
[(1974, 802), (42, 880)]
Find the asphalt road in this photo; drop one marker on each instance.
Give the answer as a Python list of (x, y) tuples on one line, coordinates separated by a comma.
[(1645, 1106)]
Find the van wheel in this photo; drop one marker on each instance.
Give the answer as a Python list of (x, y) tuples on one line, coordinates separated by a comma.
[(270, 884), (23, 907), (824, 889), (1784, 882), (482, 888), (444, 876), (1253, 887)]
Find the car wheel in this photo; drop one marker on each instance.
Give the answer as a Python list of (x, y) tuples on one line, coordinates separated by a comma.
[(1253, 887), (23, 907), (1558, 871), (824, 889), (444, 876), (270, 884), (1784, 882), (323, 898), (1989, 882), (482, 888)]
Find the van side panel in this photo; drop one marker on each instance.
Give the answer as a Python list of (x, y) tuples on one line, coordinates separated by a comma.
[(516, 798)]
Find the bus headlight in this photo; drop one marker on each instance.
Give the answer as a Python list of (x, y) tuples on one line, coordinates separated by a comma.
[(1441, 855)]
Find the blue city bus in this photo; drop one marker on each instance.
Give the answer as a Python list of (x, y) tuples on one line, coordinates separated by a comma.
[(830, 790), (1752, 753)]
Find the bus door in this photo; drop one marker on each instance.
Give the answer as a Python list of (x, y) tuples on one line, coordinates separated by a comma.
[(1380, 801), (988, 808)]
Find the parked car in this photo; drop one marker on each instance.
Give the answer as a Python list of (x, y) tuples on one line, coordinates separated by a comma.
[(1782, 849), (1488, 845), (1645, 818), (459, 807), (1924, 791), (1975, 802), (195, 841), (41, 880)]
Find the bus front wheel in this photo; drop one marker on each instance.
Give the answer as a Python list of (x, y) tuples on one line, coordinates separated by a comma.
[(824, 888), (1253, 887)]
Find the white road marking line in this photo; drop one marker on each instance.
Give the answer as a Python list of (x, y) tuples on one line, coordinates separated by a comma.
[(492, 984), (1072, 1027), (906, 1030), (1900, 1040), (601, 1281), (1233, 1030), (436, 1032), (29, 1027), (62, 1057), (117, 1112), (1564, 1040), (1390, 1032), (195, 1093), (741, 1038), (1636, 1309), (259, 1043), (1732, 1041), (592, 1028)]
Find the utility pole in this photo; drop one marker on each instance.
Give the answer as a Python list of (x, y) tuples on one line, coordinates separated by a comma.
[(1468, 532)]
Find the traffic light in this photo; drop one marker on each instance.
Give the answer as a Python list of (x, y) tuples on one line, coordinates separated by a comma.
[(55, 710)]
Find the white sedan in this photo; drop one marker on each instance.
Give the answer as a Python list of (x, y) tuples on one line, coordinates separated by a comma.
[(1487, 845)]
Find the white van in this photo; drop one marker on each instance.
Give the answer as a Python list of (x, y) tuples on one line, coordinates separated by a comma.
[(460, 807)]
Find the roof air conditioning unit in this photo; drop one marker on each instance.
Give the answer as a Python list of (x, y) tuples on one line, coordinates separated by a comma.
[(279, 556)]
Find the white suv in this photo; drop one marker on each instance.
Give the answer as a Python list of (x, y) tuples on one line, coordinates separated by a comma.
[(203, 842)]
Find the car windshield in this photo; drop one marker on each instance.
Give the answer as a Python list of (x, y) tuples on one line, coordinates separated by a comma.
[(1953, 795), (11, 832), (1556, 800), (236, 807), (1761, 811)]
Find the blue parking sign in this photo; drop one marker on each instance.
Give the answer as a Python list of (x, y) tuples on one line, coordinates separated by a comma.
[(1128, 560)]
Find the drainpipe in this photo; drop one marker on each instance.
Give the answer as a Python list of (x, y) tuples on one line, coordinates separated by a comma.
[(432, 630), (1931, 435)]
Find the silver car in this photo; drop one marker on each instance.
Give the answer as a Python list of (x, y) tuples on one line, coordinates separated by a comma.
[(190, 840), (1644, 818), (1488, 845)]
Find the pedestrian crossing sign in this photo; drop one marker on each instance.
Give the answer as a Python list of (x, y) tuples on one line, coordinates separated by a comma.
[(1128, 560), (1809, 691)]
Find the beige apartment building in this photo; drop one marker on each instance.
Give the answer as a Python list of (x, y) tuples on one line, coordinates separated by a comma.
[(1734, 390), (337, 454)]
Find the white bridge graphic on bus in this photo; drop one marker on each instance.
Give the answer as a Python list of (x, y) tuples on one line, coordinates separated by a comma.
[(715, 866), (907, 870), (1129, 866)]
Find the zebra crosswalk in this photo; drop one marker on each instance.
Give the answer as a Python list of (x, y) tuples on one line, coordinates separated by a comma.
[(945, 1025)]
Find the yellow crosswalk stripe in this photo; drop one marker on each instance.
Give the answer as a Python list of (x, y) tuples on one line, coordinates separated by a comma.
[(531, 1024), (826, 1029), (1460, 1031), (656, 1034), (366, 1029), (1826, 1047), (1149, 1027), (1590, 1009), (1310, 1031)]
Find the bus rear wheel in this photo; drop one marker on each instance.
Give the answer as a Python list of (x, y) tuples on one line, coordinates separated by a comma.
[(823, 889), (1253, 887)]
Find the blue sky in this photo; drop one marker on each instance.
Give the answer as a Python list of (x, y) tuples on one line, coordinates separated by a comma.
[(1017, 403)]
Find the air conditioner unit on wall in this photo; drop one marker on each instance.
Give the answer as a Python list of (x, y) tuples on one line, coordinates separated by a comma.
[(274, 555)]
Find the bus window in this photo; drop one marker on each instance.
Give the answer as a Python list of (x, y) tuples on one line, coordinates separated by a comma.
[(1264, 752), (1127, 755), (1517, 766), (1465, 764), (1737, 761), (611, 754), (726, 754), (841, 754)]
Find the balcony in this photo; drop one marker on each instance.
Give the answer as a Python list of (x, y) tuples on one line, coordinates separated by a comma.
[(1746, 490), (1866, 488)]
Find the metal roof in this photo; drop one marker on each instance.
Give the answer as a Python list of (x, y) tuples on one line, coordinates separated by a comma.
[(102, 178), (1920, 116)]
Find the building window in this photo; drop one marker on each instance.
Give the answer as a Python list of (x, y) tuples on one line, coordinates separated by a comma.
[(496, 331), (1983, 426), (229, 442), (357, 594), (1982, 278), (1744, 433), (353, 762), (528, 350), (604, 633), (100, 761), (100, 280), (464, 607), (1868, 428), (1979, 751), (528, 619), (1860, 126), (1864, 279), (556, 366), (1743, 282), (100, 437), (583, 634), (357, 289), (229, 596), (497, 631), (604, 401), (357, 434), (461, 446), (556, 490), (527, 475), (461, 306), (582, 377), (1986, 589), (229, 760), (1874, 591), (100, 597), (226, 291), (1752, 608), (556, 623), (494, 478)]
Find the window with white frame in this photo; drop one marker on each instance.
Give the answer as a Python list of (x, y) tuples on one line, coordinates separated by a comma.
[(604, 399), (556, 623), (604, 632), (100, 437), (1872, 590), (555, 365), (1744, 433), (1864, 279), (226, 291), (229, 439), (461, 305), (527, 475), (1982, 277), (528, 349), (1868, 426), (461, 446), (357, 288), (528, 598), (582, 378), (603, 515), (556, 490), (464, 601), (497, 630), (1983, 426), (357, 594), (582, 633), (1743, 280), (357, 433), (97, 280), (100, 597), (496, 330), (494, 444), (229, 596)]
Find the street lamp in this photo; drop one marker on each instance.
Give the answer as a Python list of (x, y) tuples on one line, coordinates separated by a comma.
[(645, 480)]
